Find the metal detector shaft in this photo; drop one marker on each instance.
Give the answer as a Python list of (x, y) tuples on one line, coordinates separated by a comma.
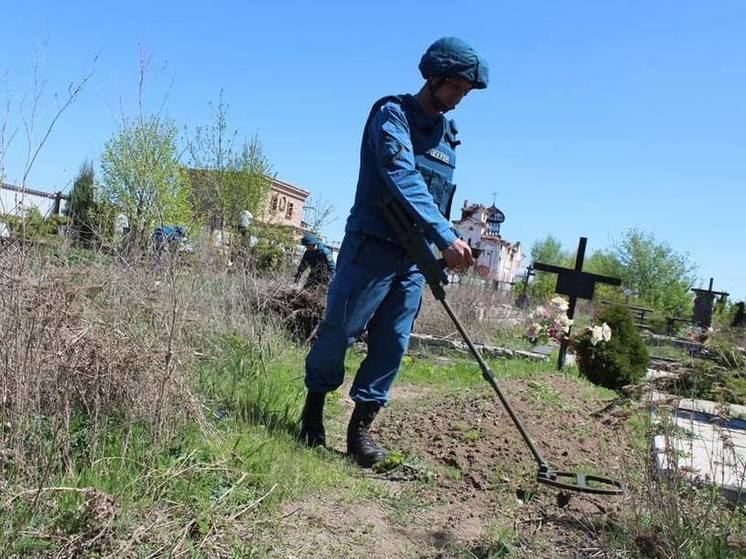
[(412, 237)]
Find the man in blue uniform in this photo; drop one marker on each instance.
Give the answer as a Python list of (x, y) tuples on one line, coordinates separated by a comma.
[(318, 259), (407, 153)]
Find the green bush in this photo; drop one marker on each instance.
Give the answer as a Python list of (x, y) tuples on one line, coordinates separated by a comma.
[(658, 323), (275, 242), (33, 225), (615, 363)]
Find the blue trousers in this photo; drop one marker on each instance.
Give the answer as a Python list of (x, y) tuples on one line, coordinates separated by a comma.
[(378, 287)]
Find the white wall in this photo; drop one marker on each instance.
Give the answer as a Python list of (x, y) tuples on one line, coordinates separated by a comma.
[(15, 203)]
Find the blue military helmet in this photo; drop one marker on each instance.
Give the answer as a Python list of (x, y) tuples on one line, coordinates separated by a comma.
[(451, 57), (309, 239)]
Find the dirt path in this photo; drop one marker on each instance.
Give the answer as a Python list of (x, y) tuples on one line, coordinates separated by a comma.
[(466, 488)]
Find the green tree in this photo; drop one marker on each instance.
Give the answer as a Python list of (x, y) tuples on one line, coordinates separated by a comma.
[(275, 242), (81, 209), (652, 268), (226, 180), (143, 177), (549, 251), (606, 263)]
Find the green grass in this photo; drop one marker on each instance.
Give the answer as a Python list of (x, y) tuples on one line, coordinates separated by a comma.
[(543, 392), (247, 458), (233, 475), (670, 352), (457, 372)]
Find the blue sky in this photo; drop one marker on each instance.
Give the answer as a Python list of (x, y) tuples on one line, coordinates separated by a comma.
[(600, 116)]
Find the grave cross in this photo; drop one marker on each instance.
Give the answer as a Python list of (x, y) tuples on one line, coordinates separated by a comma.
[(576, 284), (522, 301), (703, 302)]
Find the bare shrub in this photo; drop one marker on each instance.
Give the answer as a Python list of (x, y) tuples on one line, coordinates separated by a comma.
[(487, 314), (90, 340)]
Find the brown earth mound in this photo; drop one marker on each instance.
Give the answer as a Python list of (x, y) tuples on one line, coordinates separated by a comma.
[(467, 487)]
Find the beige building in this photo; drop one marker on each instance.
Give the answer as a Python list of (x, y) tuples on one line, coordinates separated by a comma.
[(285, 205), (500, 259)]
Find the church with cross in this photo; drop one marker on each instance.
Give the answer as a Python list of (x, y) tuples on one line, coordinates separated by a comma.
[(499, 260)]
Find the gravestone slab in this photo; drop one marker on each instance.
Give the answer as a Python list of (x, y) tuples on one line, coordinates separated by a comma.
[(657, 374), (544, 349), (419, 341), (707, 444)]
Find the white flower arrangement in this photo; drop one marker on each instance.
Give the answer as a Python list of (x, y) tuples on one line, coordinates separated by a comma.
[(600, 333)]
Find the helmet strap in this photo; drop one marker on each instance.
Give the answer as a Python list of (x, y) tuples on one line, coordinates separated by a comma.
[(433, 88)]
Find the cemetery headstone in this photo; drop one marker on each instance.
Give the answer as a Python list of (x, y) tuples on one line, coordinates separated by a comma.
[(739, 318), (704, 300)]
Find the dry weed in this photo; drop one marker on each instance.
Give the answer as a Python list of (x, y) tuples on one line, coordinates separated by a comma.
[(488, 315), (91, 340)]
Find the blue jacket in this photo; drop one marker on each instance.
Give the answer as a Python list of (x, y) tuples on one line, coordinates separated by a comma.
[(409, 155), (320, 262)]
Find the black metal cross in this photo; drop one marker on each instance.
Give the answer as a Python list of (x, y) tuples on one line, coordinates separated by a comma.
[(703, 302), (522, 301), (576, 284)]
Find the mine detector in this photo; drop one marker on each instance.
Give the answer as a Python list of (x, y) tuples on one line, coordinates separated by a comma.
[(412, 238)]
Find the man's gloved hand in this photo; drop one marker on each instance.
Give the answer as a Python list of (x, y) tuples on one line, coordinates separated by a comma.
[(458, 256)]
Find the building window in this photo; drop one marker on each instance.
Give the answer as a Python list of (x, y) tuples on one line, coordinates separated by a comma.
[(274, 203), (289, 213), (283, 203)]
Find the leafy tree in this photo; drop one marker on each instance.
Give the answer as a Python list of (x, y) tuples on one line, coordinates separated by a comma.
[(143, 177), (226, 180), (548, 251), (274, 243), (81, 209), (658, 273)]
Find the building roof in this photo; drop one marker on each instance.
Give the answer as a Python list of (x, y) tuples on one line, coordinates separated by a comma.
[(33, 191), (290, 188)]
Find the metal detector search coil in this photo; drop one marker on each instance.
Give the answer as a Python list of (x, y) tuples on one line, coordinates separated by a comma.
[(583, 483)]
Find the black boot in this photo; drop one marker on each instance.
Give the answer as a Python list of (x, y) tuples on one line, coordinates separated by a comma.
[(312, 420), (360, 445)]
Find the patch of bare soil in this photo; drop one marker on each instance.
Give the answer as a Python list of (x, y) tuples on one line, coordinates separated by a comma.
[(467, 488)]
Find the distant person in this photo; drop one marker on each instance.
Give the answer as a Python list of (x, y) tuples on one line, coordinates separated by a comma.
[(408, 154), (318, 260)]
